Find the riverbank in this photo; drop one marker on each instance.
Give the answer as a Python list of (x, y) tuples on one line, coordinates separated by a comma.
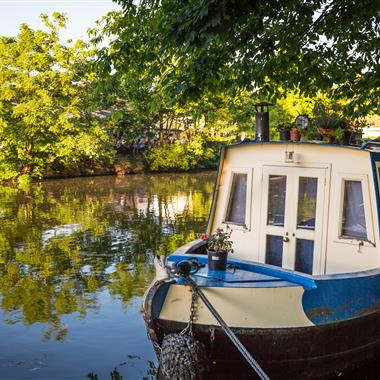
[(124, 165)]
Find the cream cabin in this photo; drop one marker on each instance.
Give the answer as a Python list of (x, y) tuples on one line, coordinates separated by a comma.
[(306, 207), (301, 290)]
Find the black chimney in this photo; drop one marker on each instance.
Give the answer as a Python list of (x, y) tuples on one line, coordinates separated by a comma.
[(262, 121)]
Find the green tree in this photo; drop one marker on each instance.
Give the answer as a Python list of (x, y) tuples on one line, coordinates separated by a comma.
[(269, 46), (45, 109)]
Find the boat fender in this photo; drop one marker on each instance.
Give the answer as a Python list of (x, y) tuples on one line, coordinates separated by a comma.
[(161, 272), (183, 358)]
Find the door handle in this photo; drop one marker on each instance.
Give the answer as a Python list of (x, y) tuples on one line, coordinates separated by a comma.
[(285, 239)]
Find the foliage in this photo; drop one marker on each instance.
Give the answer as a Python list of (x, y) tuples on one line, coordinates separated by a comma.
[(269, 45), (137, 67), (220, 241), (151, 80), (45, 108), (191, 155), (358, 125), (284, 127)]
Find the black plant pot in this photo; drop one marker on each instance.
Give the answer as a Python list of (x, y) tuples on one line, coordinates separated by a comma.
[(285, 135), (217, 260)]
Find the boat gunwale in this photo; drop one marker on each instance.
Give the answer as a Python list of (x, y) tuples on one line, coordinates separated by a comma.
[(306, 280)]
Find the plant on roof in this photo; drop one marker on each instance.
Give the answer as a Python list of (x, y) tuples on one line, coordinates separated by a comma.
[(284, 126)]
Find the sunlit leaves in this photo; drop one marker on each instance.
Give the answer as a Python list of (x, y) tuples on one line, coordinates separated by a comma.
[(45, 103), (218, 45)]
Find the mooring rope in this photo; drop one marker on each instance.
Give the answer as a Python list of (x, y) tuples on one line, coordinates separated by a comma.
[(248, 357)]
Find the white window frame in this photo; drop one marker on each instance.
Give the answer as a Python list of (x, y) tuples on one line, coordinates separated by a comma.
[(248, 204), (363, 178)]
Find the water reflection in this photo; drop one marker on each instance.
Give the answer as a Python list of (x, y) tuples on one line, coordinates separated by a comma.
[(151, 373), (62, 242)]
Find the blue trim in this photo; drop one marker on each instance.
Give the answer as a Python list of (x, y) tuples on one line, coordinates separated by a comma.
[(247, 272), (326, 299), (367, 145), (375, 157), (341, 299), (158, 300)]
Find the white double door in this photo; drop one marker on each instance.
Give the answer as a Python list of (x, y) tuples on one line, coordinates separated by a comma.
[(292, 217)]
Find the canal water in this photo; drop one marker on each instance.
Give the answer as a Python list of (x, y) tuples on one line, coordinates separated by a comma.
[(75, 258)]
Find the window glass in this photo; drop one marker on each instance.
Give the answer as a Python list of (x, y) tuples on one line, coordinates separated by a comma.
[(307, 202), (304, 256), (276, 200), (273, 254), (238, 199), (353, 221)]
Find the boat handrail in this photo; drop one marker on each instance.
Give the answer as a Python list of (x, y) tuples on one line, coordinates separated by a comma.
[(371, 144)]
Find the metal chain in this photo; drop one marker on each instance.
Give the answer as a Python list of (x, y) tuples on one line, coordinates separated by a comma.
[(212, 340), (193, 309)]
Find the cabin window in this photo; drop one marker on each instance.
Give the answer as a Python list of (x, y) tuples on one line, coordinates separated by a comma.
[(236, 210), (276, 200), (353, 217), (307, 202)]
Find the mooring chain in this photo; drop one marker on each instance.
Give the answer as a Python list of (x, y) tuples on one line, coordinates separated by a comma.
[(183, 269), (193, 309), (231, 335), (212, 340)]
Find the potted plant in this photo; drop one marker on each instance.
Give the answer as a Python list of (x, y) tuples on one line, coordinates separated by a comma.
[(328, 122), (327, 125), (284, 130), (356, 128), (295, 134), (219, 245)]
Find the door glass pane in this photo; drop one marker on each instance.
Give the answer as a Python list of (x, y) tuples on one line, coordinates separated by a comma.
[(238, 199), (353, 222), (276, 200), (304, 256), (273, 254), (307, 202)]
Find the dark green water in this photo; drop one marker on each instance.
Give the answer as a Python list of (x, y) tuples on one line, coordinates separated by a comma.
[(75, 258)]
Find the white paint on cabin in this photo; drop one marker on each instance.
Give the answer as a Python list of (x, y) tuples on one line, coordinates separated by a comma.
[(326, 169)]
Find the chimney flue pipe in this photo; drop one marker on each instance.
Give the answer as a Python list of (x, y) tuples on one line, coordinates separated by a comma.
[(262, 122)]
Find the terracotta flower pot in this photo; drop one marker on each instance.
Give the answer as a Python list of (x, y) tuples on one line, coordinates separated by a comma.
[(295, 134)]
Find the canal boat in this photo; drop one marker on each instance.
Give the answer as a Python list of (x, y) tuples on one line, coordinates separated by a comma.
[(302, 288)]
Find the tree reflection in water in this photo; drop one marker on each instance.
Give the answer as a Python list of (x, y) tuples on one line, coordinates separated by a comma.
[(63, 241), (151, 373)]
